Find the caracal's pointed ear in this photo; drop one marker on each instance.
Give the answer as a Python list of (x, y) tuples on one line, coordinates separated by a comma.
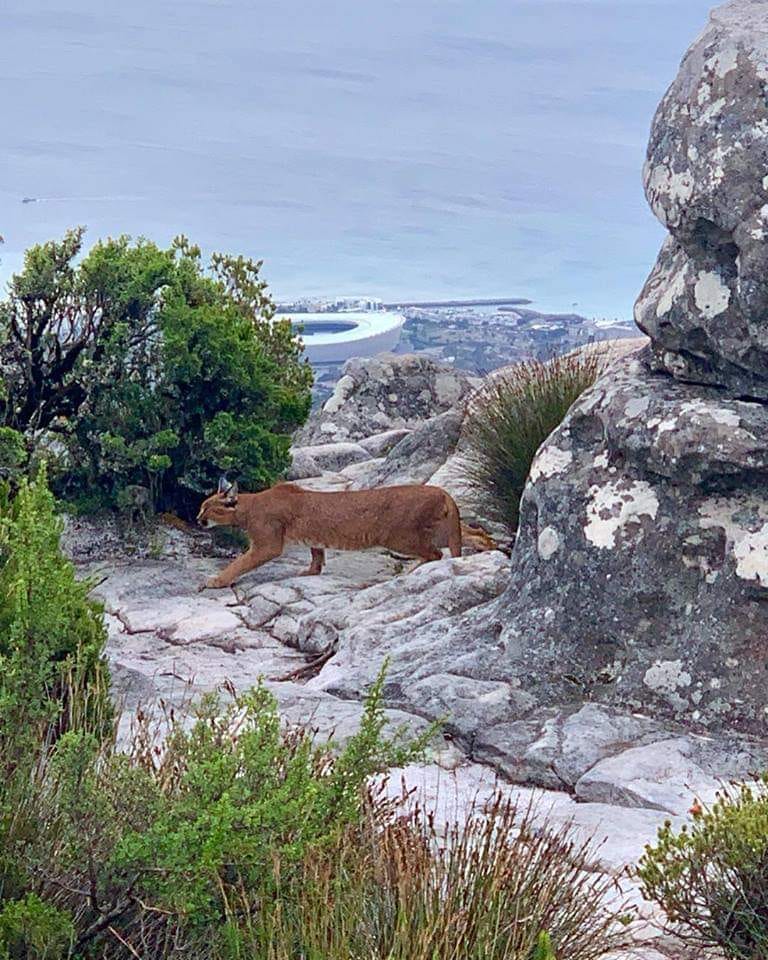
[(224, 485), (231, 495)]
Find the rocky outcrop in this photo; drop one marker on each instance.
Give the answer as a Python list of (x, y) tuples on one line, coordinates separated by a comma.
[(640, 573), (385, 393), (705, 305)]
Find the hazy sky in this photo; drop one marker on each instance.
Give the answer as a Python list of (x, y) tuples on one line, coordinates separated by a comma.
[(432, 148)]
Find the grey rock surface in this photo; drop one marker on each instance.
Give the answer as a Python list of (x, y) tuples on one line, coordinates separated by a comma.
[(303, 465), (332, 457), (706, 302), (419, 454), (380, 444), (388, 392), (640, 573)]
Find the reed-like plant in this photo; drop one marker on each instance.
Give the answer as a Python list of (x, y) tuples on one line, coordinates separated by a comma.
[(396, 886), (512, 415)]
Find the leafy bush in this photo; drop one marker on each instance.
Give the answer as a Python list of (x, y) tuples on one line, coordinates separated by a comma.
[(238, 838), (136, 367), (52, 670), (13, 454), (53, 678), (512, 416), (155, 848), (711, 878), (33, 930)]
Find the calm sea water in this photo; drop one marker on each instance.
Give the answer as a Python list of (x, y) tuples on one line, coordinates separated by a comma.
[(402, 148)]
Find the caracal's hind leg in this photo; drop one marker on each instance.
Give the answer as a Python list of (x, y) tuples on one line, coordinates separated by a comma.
[(250, 560), (426, 554), (317, 564)]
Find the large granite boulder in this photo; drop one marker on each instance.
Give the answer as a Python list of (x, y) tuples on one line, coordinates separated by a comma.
[(705, 305), (383, 393), (640, 573)]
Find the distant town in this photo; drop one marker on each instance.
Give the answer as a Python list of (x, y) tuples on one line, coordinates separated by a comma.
[(475, 335)]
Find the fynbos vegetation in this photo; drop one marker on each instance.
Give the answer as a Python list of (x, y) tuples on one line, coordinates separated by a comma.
[(711, 878), (139, 373), (512, 416)]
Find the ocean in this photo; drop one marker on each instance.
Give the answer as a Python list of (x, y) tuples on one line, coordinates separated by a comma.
[(424, 149)]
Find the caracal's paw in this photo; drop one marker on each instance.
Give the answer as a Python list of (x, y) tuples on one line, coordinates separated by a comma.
[(212, 584)]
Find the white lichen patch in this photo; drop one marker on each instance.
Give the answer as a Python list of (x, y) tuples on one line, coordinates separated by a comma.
[(341, 393), (548, 543), (695, 409), (637, 407), (549, 462), (667, 425), (744, 520), (666, 676), (712, 295), (615, 506), (669, 192), (602, 460), (723, 62), (674, 289), (713, 110)]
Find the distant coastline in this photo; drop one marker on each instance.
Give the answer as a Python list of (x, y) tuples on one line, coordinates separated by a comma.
[(425, 304)]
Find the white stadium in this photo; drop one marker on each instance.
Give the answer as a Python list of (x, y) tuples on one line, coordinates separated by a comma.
[(331, 338)]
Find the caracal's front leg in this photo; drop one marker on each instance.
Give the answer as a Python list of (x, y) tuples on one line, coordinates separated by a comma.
[(316, 566), (250, 560)]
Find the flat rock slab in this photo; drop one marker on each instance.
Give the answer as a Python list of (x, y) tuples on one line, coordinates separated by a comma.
[(169, 642)]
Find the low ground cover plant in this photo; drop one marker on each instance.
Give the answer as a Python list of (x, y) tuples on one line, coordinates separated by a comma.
[(142, 373), (711, 878), (512, 416)]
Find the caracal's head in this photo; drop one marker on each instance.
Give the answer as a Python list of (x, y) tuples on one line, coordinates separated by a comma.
[(219, 510)]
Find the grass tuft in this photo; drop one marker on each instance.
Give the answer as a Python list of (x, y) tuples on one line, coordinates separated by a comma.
[(512, 416)]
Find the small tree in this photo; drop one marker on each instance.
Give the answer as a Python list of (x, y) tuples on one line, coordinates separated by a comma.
[(137, 366)]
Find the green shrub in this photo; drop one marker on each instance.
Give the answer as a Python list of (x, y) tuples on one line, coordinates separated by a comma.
[(31, 929), (137, 367), (239, 838), (154, 847), (711, 878), (13, 454), (512, 416), (53, 678), (52, 668)]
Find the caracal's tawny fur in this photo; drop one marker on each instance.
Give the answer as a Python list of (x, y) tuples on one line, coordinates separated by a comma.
[(414, 520)]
